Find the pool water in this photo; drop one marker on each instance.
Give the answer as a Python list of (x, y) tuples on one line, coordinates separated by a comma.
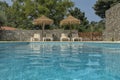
[(59, 61)]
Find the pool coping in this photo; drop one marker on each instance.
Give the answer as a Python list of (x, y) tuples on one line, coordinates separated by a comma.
[(64, 41)]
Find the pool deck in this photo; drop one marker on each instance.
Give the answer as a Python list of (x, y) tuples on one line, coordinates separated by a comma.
[(63, 41)]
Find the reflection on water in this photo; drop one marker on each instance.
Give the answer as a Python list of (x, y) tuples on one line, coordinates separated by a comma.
[(112, 61), (69, 56), (60, 62)]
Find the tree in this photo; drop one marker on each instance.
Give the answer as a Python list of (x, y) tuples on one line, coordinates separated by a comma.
[(96, 26), (3, 6), (23, 12), (81, 16), (102, 5)]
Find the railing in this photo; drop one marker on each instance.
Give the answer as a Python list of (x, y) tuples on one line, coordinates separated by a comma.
[(91, 36)]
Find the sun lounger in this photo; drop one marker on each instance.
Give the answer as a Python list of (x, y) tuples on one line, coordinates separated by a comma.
[(64, 37), (48, 37), (75, 37), (36, 37)]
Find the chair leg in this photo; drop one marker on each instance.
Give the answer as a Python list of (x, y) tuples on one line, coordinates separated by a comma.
[(73, 39), (61, 39), (43, 39)]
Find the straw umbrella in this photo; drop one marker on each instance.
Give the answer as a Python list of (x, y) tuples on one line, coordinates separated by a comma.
[(69, 21), (43, 20)]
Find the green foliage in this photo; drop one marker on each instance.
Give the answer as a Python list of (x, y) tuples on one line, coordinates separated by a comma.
[(89, 27), (102, 5), (96, 26), (22, 12), (3, 6)]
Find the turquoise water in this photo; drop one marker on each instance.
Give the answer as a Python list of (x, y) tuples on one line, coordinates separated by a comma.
[(59, 61)]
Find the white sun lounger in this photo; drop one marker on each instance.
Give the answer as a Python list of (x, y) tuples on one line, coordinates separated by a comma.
[(36, 37), (48, 37), (64, 37), (76, 37)]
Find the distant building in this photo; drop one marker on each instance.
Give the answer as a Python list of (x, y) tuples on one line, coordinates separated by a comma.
[(112, 31), (8, 28)]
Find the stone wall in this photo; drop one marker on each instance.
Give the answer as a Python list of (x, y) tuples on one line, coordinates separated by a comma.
[(25, 35), (112, 31)]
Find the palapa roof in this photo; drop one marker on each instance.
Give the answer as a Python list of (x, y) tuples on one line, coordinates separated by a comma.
[(70, 20), (42, 20)]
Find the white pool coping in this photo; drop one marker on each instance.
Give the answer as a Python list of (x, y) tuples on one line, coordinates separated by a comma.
[(63, 41)]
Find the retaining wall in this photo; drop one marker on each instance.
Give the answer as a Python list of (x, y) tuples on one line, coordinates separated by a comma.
[(25, 35)]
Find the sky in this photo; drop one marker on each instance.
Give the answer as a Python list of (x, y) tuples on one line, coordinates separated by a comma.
[(85, 6)]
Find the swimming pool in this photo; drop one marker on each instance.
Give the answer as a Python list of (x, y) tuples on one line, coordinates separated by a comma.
[(59, 61)]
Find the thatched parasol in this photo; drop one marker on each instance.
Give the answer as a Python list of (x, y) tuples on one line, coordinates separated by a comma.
[(69, 21), (43, 20)]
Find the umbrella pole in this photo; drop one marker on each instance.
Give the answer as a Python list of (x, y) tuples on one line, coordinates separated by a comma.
[(43, 30), (70, 31)]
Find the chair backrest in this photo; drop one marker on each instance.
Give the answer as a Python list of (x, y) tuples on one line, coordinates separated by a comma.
[(37, 35), (75, 35), (64, 35), (49, 35)]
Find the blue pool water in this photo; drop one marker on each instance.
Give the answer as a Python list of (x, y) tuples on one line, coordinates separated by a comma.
[(59, 61)]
